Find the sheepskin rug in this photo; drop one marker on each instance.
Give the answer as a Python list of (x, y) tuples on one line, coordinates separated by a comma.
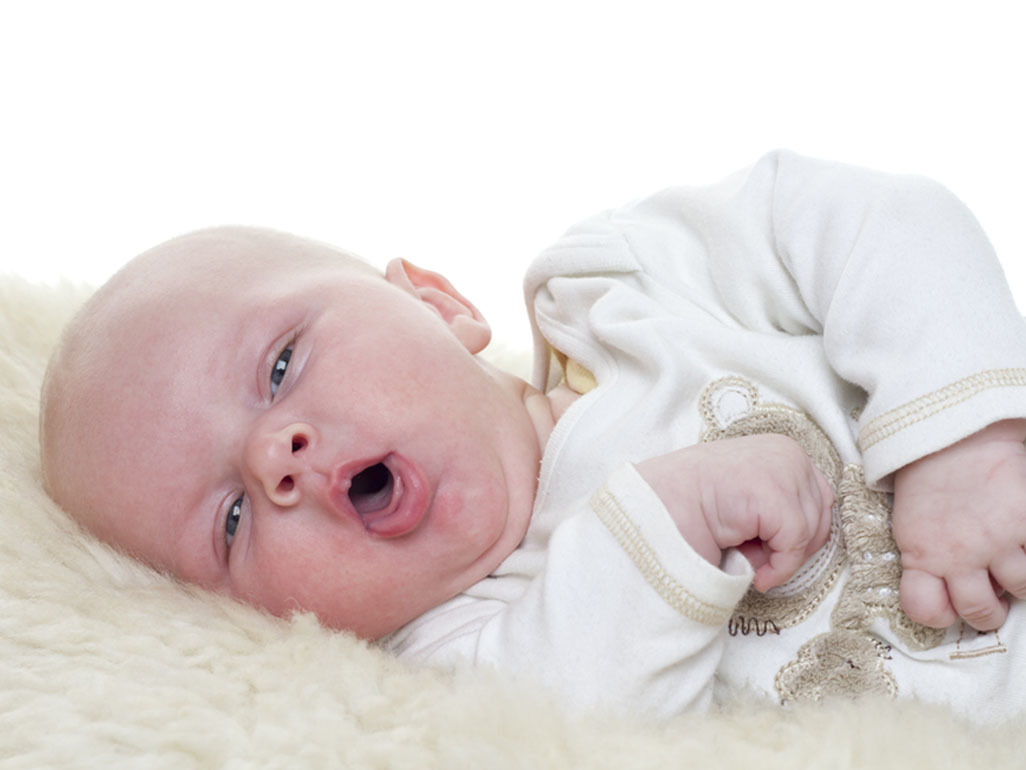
[(104, 663)]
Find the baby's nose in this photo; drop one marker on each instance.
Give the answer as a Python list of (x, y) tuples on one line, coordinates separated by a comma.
[(277, 458)]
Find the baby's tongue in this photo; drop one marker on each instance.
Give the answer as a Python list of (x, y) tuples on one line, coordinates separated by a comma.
[(371, 491), (377, 495)]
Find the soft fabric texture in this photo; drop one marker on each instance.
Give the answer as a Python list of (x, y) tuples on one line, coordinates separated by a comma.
[(774, 301), (104, 663)]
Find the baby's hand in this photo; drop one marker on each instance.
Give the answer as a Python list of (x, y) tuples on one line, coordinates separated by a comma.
[(960, 524), (761, 493)]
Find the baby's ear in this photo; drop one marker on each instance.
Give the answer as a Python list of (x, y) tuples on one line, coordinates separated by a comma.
[(436, 292)]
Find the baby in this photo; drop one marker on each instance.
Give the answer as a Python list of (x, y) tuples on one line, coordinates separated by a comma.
[(728, 380)]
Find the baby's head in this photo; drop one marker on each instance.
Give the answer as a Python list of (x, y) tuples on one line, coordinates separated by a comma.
[(272, 418)]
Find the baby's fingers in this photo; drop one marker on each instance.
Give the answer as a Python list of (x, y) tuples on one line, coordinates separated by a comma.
[(787, 550), (1009, 571), (820, 511), (803, 529), (924, 597), (976, 600), (779, 567)]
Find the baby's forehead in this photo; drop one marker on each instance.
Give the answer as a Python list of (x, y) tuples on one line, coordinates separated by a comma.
[(192, 286), (211, 260), (206, 267)]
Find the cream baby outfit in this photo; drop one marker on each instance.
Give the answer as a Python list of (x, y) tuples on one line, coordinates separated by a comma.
[(863, 314)]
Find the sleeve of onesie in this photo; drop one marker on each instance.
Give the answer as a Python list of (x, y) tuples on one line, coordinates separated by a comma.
[(897, 276), (625, 612)]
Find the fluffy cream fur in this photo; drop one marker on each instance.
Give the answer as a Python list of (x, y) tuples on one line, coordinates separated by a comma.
[(104, 663)]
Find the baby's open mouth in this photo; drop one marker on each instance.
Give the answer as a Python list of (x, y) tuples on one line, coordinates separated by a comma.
[(371, 489), (389, 496)]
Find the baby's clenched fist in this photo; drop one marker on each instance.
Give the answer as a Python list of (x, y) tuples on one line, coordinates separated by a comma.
[(762, 494)]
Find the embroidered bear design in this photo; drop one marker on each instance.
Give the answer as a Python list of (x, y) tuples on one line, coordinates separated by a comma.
[(848, 659), (838, 663), (874, 566)]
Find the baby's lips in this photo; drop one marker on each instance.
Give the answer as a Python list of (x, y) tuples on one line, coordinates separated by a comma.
[(409, 502), (406, 507)]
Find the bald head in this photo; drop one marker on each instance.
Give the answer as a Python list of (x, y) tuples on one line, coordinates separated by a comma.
[(266, 417), (118, 341)]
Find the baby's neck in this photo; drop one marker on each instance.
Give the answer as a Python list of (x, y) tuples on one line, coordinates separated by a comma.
[(560, 398), (543, 409)]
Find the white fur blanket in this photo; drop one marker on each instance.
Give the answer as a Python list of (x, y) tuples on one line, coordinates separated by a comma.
[(104, 663)]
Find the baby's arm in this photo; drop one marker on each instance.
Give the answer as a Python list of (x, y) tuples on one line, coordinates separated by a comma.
[(619, 609), (626, 609), (759, 493), (914, 308), (960, 523)]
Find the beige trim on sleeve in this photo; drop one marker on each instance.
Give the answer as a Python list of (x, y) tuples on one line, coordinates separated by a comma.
[(628, 535), (895, 420)]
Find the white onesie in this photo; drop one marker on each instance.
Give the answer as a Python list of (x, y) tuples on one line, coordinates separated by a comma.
[(863, 314)]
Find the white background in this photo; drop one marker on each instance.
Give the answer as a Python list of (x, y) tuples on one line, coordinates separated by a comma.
[(468, 135)]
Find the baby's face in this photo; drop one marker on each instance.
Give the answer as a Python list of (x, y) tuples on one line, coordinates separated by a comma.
[(316, 437)]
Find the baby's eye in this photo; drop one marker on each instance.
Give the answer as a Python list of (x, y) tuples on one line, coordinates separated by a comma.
[(278, 372), (232, 521)]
